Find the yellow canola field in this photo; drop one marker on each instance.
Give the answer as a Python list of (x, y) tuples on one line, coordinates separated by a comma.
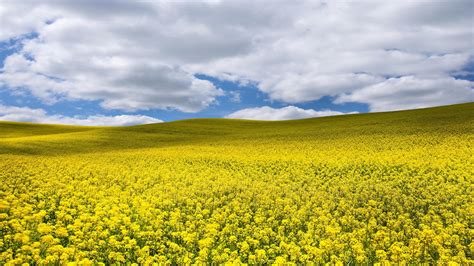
[(360, 189)]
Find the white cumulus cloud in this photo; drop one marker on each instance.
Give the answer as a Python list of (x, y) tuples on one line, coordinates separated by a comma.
[(411, 92), (139, 55), (285, 113), (25, 114)]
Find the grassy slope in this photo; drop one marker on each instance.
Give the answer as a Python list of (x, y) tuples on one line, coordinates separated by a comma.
[(27, 138)]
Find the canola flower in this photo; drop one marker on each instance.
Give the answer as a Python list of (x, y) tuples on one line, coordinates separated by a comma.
[(285, 193)]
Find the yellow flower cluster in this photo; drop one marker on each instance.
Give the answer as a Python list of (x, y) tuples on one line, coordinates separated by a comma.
[(368, 198)]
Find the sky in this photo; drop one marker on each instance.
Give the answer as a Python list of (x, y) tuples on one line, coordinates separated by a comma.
[(135, 62)]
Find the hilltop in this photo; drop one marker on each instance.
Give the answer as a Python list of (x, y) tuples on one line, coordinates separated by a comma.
[(29, 138)]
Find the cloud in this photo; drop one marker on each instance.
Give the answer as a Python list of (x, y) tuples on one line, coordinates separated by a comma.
[(304, 89), (285, 113), (234, 96), (145, 55), (32, 18), (120, 84), (25, 114), (410, 92)]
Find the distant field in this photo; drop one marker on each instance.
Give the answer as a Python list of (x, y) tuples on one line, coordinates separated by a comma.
[(355, 189)]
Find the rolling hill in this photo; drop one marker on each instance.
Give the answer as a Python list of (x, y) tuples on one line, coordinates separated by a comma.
[(354, 189), (29, 138)]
